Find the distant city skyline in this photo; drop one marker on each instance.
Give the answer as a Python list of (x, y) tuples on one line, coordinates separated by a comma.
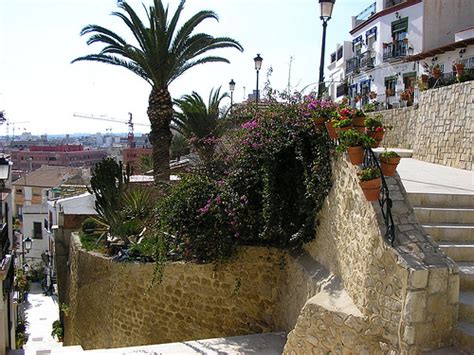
[(38, 40)]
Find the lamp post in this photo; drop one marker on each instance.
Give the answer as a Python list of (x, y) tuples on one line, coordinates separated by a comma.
[(231, 88), (258, 65), (326, 12), (4, 171)]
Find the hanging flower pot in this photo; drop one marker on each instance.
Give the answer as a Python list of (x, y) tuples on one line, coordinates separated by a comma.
[(389, 162), (370, 182), (424, 78), (342, 129), (377, 135), (436, 72), (331, 131), (356, 155), (459, 68), (372, 95), (371, 188), (359, 124)]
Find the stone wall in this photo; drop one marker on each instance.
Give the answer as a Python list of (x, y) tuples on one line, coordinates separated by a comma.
[(440, 130), (348, 289), (408, 293), (111, 304)]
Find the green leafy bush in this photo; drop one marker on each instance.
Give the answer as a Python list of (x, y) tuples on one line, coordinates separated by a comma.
[(353, 138), (389, 154)]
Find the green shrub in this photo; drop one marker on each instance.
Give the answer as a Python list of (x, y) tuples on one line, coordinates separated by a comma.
[(368, 174), (353, 138), (389, 154)]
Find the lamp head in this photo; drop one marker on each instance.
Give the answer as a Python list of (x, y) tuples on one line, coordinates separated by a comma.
[(258, 62), (326, 9), (231, 85), (28, 244)]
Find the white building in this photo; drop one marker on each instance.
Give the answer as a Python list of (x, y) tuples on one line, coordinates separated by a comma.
[(35, 226), (388, 32), (336, 82)]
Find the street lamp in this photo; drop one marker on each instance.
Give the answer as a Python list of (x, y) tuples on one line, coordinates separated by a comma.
[(326, 12), (258, 65), (231, 88), (4, 171), (27, 244)]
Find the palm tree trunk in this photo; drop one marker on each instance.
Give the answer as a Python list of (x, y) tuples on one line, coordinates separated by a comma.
[(160, 112)]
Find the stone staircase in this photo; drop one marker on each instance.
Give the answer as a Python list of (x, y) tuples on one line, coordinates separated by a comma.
[(449, 220)]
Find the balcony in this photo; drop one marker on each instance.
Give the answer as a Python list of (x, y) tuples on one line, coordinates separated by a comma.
[(366, 61), (352, 65), (395, 50), (365, 14), (390, 3)]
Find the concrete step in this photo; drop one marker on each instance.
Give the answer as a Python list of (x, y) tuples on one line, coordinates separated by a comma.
[(450, 232), (422, 199), (464, 337), (466, 276), (458, 251), (466, 307), (444, 215)]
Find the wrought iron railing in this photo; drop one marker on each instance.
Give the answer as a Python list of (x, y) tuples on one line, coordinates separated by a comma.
[(370, 160), (4, 240), (352, 65), (395, 50), (366, 60)]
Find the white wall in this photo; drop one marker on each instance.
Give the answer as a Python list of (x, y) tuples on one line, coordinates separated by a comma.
[(33, 214)]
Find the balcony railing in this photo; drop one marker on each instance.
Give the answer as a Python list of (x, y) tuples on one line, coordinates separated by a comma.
[(395, 50), (352, 65), (390, 3), (366, 60), (366, 14), (4, 240)]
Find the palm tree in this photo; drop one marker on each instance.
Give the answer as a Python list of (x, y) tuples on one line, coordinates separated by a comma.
[(202, 125), (161, 54)]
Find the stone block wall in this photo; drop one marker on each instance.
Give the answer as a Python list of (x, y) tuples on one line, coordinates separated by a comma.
[(348, 285), (409, 291), (440, 130), (111, 304)]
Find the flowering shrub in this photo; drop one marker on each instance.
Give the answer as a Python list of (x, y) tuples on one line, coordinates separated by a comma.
[(315, 108), (266, 189)]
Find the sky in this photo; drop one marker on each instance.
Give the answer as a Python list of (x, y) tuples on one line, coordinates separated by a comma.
[(41, 90)]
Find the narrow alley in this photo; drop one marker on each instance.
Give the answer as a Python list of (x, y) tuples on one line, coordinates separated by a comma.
[(40, 311)]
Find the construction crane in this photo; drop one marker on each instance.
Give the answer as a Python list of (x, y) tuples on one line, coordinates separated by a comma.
[(13, 124), (129, 123)]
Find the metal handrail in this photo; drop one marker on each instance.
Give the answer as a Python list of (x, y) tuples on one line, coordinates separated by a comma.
[(371, 161)]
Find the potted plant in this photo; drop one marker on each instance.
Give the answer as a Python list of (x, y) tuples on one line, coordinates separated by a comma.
[(388, 162), (459, 67), (370, 182), (390, 92), (372, 95), (358, 121), (405, 95), (58, 330), (375, 129), (424, 78), (436, 71), (354, 142), (330, 128), (385, 45)]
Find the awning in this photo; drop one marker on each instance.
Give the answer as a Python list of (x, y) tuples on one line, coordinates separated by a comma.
[(400, 25)]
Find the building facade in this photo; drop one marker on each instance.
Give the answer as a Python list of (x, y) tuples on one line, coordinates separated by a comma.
[(390, 32), (57, 155)]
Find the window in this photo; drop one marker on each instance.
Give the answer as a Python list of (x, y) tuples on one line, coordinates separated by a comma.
[(37, 230), (390, 85), (52, 158), (339, 53), (468, 63), (370, 42), (333, 57), (19, 191)]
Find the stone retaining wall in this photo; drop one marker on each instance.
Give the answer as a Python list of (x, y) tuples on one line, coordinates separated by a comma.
[(347, 286), (440, 130)]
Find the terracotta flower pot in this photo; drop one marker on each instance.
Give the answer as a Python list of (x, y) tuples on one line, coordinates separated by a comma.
[(340, 129), (359, 124), (356, 155), (389, 165), (371, 188), (424, 78), (436, 72), (331, 131), (459, 68), (378, 136)]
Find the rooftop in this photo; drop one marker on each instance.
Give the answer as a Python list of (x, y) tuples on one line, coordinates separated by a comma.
[(48, 176)]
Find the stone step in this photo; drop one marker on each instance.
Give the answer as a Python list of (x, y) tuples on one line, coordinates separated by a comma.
[(450, 232), (445, 351), (466, 276), (458, 251), (422, 199), (444, 215), (403, 153), (466, 307), (464, 336)]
